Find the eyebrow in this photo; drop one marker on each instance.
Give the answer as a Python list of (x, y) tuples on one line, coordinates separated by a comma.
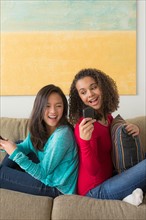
[(55, 103), (89, 86)]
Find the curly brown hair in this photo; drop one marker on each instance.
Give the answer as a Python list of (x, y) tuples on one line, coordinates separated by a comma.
[(109, 92)]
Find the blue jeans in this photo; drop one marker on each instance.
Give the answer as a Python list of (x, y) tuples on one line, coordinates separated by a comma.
[(12, 177), (121, 185)]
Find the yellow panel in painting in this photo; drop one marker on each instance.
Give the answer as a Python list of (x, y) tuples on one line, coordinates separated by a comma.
[(32, 60)]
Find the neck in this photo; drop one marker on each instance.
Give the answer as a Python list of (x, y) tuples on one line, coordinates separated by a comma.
[(103, 121)]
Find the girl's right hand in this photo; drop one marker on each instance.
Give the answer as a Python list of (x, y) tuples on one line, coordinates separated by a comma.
[(7, 146), (86, 128)]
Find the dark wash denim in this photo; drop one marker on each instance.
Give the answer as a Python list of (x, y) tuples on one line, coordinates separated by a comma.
[(121, 185), (12, 177)]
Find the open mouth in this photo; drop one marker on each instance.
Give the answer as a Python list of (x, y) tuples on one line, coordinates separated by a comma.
[(94, 101), (52, 117)]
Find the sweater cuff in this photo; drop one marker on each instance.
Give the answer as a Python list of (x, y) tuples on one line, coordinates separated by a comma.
[(15, 152)]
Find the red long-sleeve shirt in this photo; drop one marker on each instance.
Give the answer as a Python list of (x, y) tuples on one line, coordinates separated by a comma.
[(95, 163)]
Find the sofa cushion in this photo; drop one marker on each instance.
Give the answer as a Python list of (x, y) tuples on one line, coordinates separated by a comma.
[(22, 206), (127, 150), (13, 128), (84, 208)]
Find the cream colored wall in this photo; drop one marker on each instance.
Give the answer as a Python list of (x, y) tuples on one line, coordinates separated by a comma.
[(130, 105)]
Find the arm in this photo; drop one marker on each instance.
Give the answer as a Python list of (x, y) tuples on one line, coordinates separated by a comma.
[(53, 159), (88, 149), (10, 146)]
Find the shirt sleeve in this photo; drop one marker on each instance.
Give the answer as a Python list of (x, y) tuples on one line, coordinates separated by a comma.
[(25, 146), (54, 159), (88, 153)]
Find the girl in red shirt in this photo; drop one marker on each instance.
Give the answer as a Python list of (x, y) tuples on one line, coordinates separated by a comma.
[(93, 88)]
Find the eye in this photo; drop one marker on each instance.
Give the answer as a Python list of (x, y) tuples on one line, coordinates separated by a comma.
[(59, 106), (94, 86), (47, 106), (83, 92)]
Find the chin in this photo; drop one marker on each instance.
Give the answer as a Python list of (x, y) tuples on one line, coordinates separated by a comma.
[(96, 108)]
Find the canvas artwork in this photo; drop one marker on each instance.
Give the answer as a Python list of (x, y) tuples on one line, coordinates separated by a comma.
[(45, 42)]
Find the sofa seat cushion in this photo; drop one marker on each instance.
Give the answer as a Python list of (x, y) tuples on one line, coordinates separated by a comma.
[(22, 206), (79, 207)]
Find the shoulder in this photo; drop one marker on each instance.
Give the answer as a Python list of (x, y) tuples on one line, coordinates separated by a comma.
[(110, 118), (79, 121), (76, 128), (64, 130), (64, 136)]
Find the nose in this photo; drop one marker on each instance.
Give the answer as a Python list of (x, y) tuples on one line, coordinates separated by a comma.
[(90, 93), (52, 109)]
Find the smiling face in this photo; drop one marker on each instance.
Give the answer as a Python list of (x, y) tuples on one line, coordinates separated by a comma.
[(89, 92), (53, 111)]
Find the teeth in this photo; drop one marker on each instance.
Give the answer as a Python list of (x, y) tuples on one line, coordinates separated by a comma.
[(52, 117), (93, 100)]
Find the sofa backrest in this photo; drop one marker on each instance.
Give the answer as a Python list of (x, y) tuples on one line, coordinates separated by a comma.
[(17, 128), (13, 128)]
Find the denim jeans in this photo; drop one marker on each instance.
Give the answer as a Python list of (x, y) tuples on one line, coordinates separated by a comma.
[(12, 177), (121, 185)]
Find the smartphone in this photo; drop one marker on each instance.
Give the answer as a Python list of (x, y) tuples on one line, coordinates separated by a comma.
[(2, 139), (88, 113)]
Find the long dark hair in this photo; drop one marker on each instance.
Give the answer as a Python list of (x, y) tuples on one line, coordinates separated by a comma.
[(37, 126), (109, 92)]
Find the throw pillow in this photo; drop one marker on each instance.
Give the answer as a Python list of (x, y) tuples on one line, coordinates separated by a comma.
[(126, 150)]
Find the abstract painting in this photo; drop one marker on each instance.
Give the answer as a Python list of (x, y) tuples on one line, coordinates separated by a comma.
[(45, 42)]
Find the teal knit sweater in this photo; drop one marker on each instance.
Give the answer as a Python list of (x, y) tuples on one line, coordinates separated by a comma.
[(58, 166)]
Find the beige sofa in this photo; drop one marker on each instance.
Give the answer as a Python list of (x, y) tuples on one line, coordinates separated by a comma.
[(15, 205)]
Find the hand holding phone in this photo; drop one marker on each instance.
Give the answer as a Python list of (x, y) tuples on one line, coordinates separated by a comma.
[(86, 126)]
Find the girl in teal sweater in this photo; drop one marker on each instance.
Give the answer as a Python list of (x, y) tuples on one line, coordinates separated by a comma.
[(52, 142)]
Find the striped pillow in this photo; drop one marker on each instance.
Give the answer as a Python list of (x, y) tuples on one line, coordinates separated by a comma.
[(126, 150)]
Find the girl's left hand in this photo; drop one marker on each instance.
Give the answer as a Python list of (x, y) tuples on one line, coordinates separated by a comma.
[(8, 146), (132, 129)]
